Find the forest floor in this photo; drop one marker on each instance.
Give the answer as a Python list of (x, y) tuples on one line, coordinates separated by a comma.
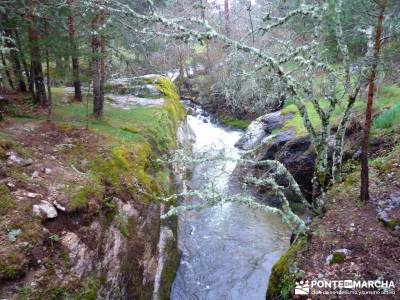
[(49, 164), (373, 244), (78, 172)]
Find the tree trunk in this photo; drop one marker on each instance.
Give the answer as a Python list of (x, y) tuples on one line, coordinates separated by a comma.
[(251, 22), (6, 71), (37, 71), (95, 66), (27, 70), (32, 83), (207, 42), (18, 72), (49, 99), (226, 15), (74, 53), (364, 191), (17, 65), (102, 59), (181, 77)]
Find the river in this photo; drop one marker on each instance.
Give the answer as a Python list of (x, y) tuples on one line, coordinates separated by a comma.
[(227, 251)]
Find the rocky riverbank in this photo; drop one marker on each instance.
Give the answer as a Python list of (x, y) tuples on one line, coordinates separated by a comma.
[(79, 216)]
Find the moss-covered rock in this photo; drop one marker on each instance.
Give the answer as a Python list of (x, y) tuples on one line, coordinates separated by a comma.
[(337, 258), (392, 224), (235, 122), (282, 277)]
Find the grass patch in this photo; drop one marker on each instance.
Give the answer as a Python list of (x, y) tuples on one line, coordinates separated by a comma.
[(234, 122), (387, 101), (88, 290), (135, 136), (6, 201), (155, 125), (12, 265), (389, 118), (81, 198)]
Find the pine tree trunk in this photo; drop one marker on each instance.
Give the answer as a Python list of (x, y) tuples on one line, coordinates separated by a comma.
[(74, 54), (25, 65), (103, 43), (18, 72), (6, 71), (37, 71), (95, 68), (48, 79), (17, 66), (364, 191), (32, 84)]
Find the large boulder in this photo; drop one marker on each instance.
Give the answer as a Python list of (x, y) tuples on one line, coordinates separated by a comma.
[(261, 128), (296, 153), (265, 139)]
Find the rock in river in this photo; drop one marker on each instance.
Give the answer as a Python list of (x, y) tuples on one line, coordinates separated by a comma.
[(260, 128)]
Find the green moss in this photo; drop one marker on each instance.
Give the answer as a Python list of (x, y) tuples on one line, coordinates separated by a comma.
[(296, 122), (172, 105), (122, 225), (125, 168), (287, 286), (392, 224), (235, 123), (351, 180), (3, 151), (169, 273), (81, 198), (6, 201), (281, 275), (337, 258)]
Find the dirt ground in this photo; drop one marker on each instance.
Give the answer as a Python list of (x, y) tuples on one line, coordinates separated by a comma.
[(374, 246)]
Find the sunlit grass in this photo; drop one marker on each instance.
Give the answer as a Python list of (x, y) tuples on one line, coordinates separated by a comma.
[(389, 118), (138, 124), (386, 102)]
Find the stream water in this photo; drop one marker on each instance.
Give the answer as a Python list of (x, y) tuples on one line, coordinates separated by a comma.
[(227, 251)]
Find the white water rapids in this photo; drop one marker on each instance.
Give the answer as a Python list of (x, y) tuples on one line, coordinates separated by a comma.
[(227, 251)]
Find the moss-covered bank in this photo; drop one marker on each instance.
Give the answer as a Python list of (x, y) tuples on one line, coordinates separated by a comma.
[(284, 272)]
